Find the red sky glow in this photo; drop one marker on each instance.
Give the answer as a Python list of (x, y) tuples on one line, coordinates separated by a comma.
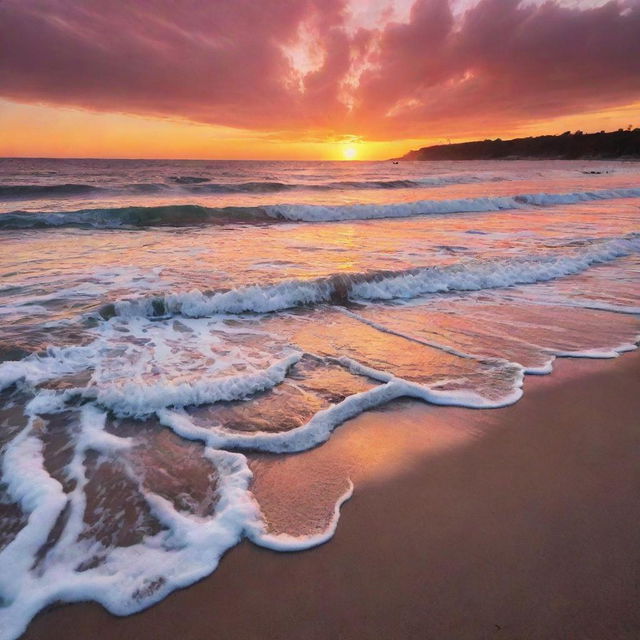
[(299, 78)]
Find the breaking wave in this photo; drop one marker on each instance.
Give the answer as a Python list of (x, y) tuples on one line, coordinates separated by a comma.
[(472, 275), (135, 217), (191, 214)]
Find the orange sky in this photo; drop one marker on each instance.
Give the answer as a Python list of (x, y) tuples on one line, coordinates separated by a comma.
[(62, 132), (308, 79)]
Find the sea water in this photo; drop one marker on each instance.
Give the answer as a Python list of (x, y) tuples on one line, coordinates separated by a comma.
[(162, 323)]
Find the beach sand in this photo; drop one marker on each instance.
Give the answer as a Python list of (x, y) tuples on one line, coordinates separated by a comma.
[(529, 530)]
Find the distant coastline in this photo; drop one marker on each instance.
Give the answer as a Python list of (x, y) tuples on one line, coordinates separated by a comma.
[(621, 144)]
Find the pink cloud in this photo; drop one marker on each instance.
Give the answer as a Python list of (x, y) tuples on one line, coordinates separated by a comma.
[(436, 73), (502, 63), (216, 62)]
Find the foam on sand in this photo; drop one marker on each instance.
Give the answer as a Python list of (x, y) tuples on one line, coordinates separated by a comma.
[(123, 579)]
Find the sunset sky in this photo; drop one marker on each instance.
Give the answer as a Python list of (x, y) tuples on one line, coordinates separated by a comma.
[(308, 79)]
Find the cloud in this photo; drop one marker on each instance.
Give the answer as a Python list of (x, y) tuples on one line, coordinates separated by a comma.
[(438, 71), (503, 63), (217, 62)]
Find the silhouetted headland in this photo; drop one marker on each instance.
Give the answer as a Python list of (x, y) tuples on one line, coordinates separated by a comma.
[(616, 144)]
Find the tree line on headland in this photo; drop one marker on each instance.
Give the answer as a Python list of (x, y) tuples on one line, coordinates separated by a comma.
[(623, 143)]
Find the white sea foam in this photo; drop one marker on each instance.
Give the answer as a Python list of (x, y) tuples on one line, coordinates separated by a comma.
[(190, 214), (319, 213), (259, 299), (126, 579), (288, 542), (139, 400), (324, 422), (488, 274), (56, 362), (600, 353), (469, 275)]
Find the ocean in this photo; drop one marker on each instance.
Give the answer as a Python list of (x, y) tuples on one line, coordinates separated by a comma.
[(167, 324)]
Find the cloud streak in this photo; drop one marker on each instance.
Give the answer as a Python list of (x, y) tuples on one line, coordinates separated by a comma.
[(303, 68)]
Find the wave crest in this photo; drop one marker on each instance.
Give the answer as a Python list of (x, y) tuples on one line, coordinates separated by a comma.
[(191, 214), (473, 275)]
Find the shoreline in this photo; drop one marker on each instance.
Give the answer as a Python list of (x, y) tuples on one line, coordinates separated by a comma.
[(528, 531)]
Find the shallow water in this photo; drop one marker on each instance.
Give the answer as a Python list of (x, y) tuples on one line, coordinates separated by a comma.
[(170, 330)]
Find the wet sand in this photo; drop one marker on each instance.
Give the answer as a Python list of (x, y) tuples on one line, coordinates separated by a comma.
[(531, 531)]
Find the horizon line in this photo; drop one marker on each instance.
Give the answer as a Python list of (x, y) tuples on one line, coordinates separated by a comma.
[(187, 159)]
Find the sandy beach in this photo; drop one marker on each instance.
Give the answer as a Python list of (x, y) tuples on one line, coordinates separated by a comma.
[(529, 531)]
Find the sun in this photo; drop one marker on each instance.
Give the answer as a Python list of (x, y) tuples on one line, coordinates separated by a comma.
[(349, 152)]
